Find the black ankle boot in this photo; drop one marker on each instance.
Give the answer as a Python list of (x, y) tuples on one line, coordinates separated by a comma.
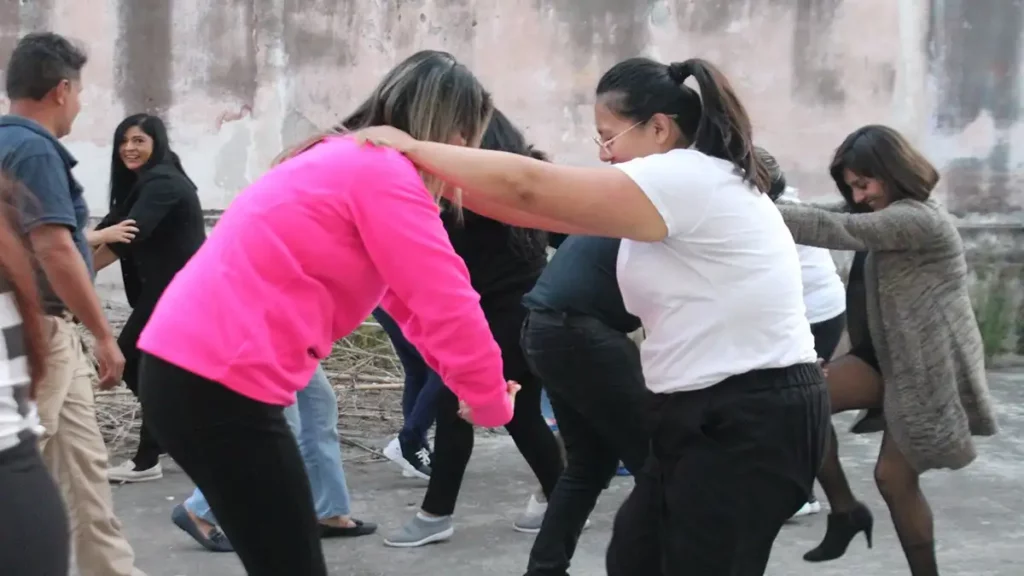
[(842, 527)]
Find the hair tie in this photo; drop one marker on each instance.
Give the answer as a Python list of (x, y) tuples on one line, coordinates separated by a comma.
[(679, 72)]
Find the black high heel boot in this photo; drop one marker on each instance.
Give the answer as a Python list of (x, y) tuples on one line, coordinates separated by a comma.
[(842, 528)]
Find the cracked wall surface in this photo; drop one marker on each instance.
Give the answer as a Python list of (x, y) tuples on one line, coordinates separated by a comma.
[(237, 80)]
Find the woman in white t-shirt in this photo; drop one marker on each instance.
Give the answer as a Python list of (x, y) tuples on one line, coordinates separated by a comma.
[(34, 537), (709, 267), (824, 293)]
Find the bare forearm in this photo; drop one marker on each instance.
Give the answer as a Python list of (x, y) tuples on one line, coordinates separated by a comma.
[(103, 257), (515, 217), (95, 238), (69, 277), (497, 177)]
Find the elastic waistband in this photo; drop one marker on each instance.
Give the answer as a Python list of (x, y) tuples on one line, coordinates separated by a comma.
[(775, 378), (795, 376)]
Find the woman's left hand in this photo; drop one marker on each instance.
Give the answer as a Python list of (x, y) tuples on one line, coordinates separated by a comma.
[(385, 136)]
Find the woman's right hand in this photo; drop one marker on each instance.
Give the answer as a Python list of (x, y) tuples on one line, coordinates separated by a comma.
[(466, 413), (385, 136), (121, 233)]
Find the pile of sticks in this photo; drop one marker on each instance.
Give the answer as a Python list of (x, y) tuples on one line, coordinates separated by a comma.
[(362, 368)]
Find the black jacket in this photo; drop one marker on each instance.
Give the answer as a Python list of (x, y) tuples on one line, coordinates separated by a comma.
[(166, 209)]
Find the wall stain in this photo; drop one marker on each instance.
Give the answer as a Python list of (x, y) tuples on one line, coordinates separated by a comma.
[(18, 18), (337, 45), (974, 52), (231, 56), (815, 80), (709, 16), (974, 55), (143, 70), (611, 30), (457, 19)]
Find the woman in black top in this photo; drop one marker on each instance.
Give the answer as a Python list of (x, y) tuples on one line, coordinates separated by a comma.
[(504, 262), (147, 186)]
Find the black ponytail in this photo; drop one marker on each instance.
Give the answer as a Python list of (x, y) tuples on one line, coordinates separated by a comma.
[(724, 130), (714, 121)]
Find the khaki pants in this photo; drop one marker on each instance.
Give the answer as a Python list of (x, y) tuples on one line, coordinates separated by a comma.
[(73, 450)]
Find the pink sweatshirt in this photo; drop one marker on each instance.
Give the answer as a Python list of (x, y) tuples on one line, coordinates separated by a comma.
[(302, 257)]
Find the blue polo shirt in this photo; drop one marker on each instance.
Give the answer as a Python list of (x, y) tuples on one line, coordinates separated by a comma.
[(30, 155)]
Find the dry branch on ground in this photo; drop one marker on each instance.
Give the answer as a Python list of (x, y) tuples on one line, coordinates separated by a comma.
[(362, 368)]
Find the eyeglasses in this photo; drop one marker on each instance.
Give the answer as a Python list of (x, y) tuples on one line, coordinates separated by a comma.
[(606, 143)]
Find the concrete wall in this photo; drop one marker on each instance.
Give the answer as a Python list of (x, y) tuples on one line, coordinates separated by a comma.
[(239, 79)]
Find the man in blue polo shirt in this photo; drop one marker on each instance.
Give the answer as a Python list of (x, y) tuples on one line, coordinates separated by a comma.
[(43, 84)]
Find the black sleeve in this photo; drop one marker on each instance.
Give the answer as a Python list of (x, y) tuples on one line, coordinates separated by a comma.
[(155, 201), (109, 220), (555, 239)]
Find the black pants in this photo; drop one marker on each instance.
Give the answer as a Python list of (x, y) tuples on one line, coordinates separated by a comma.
[(244, 458), (34, 533), (453, 440), (827, 335), (148, 453), (729, 465), (595, 382)]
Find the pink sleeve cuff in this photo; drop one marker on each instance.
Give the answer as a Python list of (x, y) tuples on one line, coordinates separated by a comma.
[(493, 414)]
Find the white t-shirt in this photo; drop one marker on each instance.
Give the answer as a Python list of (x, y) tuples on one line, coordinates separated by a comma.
[(19, 420), (824, 293), (721, 295)]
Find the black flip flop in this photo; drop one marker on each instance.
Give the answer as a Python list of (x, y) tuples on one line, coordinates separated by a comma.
[(360, 529)]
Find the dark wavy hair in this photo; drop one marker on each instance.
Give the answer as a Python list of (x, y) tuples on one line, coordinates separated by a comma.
[(879, 152)]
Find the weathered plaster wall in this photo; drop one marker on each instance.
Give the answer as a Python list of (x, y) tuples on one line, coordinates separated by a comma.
[(237, 79)]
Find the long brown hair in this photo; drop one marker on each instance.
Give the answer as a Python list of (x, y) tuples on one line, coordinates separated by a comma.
[(16, 269), (430, 96)]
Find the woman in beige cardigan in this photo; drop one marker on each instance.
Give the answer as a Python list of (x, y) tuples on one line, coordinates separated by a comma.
[(917, 352)]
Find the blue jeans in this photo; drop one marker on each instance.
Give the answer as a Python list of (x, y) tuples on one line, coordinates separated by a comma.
[(419, 396), (314, 421), (545, 407)]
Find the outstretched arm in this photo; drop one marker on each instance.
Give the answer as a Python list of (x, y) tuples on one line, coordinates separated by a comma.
[(904, 225), (596, 201)]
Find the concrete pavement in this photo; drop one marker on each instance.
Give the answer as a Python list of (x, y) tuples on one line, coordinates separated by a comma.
[(978, 515)]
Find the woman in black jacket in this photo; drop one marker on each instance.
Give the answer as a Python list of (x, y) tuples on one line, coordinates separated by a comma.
[(503, 262), (149, 187)]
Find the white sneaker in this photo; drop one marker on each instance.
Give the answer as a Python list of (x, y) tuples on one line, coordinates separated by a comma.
[(125, 472), (530, 520), (812, 507), (393, 452)]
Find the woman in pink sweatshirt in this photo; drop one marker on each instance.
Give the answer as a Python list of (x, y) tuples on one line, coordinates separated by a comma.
[(298, 261)]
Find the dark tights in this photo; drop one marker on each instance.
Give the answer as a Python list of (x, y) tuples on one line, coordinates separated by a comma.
[(148, 453), (854, 385)]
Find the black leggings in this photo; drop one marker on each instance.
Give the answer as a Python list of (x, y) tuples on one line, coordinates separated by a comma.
[(148, 453), (245, 459), (34, 533), (453, 441)]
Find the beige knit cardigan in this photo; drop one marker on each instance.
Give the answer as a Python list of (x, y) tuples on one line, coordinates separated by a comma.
[(920, 320)]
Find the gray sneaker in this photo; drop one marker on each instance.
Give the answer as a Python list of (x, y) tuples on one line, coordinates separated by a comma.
[(420, 532)]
